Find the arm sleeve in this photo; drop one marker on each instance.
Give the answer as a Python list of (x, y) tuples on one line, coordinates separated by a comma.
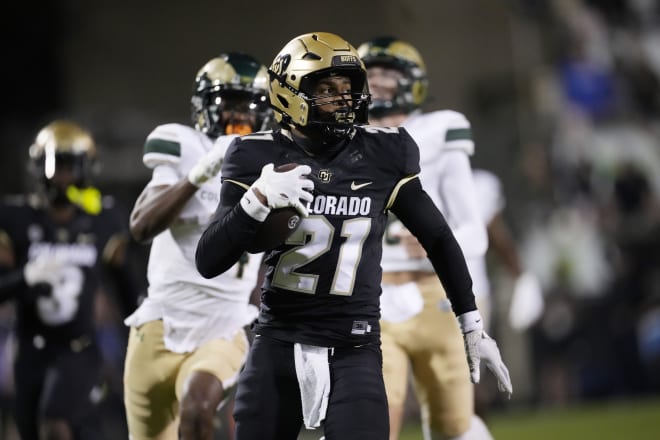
[(11, 279), (459, 197), (126, 285), (436, 237), (11, 282), (224, 240)]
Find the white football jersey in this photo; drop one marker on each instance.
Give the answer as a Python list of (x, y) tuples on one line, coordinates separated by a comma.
[(445, 144), (489, 192), (194, 309)]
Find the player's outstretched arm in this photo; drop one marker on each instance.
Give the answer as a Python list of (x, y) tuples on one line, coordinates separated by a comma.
[(157, 207), (43, 270), (448, 261), (121, 272), (11, 278), (435, 235), (481, 347), (14, 279)]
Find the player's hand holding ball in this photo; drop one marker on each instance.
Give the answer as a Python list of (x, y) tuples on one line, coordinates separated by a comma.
[(286, 186), (278, 198)]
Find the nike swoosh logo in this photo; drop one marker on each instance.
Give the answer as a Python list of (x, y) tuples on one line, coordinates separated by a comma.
[(356, 186)]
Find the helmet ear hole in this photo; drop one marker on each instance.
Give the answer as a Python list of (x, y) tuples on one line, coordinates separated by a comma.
[(283, 101)]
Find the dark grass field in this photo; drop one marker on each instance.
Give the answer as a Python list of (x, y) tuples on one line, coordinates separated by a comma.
[(620, 420)]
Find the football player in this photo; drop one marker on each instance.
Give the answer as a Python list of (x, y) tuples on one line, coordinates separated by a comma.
[(316, 357), (414, 305), (527, 302), (189, 330), (53, 245)]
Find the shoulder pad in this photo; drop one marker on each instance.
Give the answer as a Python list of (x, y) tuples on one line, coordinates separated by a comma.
[(259, 136), (456, 130), (373, 129), (164, 143)]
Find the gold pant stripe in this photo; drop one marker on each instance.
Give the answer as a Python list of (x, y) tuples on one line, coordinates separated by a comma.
[(430, 346), (154, 377)]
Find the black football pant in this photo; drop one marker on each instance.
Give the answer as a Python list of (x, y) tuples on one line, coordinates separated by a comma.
[(54, 383), (268, 404)]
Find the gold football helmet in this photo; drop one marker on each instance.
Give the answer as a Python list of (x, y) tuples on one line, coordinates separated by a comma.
[(232, 81), (295, 71), (59, 145), (393, 53), (63, 141)]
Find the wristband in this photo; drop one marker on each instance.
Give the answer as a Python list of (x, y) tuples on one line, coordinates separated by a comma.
[(470, 321), (253, 207)]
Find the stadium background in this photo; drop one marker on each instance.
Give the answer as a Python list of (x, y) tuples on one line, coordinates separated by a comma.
[(564, 98)]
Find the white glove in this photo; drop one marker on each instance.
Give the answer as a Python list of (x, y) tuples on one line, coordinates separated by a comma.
[(479, 346), (208, 166), (66, 282), (281, 189), (43, 269), (527, 302)]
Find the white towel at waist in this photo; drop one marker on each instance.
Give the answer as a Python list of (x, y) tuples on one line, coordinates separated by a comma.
[(313, 372), (400, 302)]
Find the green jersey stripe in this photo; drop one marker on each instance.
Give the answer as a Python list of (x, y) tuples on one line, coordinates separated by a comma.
[(458, 134), (162, 146)]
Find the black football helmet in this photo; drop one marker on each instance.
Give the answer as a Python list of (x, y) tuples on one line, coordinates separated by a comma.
[(393, 53), (297, 69), (223, 81)]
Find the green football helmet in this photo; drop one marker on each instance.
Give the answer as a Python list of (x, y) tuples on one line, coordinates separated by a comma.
[(390, 52), (223, 81)]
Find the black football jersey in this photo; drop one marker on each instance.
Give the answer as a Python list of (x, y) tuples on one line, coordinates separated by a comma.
[(323, 285), (80, 244)]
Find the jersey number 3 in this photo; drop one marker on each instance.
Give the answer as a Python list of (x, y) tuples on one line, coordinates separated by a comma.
[(62, 304)]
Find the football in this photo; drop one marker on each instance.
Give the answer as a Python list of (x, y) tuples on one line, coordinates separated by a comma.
[(278, 226)]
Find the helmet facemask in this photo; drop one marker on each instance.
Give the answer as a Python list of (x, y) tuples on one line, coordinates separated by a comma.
[(294, 74), (62, 157), (330, 128), (230, 96), (398, 56), (398, 99), (246, 111), (58, 172)]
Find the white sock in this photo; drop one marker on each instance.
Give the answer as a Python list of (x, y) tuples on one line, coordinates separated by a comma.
[(477, 431)]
